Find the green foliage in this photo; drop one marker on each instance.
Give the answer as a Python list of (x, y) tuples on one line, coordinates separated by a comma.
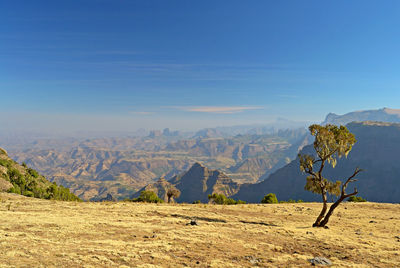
[(33, 172), (291, 201), (148, 197), (58, 193), (15, 189), (196, 202), (221, 199), (270, 199), (5, 163), (32, 185), (356, 199), (28, 193)]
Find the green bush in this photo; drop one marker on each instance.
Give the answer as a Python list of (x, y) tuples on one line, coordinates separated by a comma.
[(33, 172), (28, 193), (291, 201), (270, 199), (356, 199), (241, 202), (15, 189), (148, 197), (196, 202), (5, 163), (221, 199)]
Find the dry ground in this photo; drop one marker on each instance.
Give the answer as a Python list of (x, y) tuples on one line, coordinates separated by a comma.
[(40, 233)]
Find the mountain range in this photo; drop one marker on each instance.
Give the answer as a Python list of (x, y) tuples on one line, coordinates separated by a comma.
[(380, 115), (376, 151), (244, 166), (121, 166)]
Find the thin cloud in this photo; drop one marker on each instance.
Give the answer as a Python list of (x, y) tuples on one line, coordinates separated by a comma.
[(217, 109)]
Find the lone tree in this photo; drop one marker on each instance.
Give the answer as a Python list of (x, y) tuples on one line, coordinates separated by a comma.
[(173, 192), (331, 143)]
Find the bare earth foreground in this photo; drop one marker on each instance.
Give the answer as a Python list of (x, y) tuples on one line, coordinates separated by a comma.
[(40, 233)]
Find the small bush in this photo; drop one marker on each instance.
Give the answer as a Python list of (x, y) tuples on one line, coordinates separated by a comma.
[(221, 199), (148, 197), (291, 201), (5, 163), (28, 193), (196, 202), (33, 172), (270, 199), (356, 199)]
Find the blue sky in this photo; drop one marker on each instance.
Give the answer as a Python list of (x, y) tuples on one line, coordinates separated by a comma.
[(122, 65)]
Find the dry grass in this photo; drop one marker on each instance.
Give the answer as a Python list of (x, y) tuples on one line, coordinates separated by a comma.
[(39, 233)]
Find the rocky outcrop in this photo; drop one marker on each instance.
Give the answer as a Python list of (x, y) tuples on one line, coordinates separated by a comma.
[(199, 181), (160, 187)]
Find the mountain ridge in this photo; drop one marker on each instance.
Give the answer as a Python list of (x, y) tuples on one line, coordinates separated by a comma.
[(384, 115)]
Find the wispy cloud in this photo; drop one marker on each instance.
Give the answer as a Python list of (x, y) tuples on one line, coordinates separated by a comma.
[(217, 109)]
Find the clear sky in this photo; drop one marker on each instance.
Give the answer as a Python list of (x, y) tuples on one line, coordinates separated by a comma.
[(125, 64)]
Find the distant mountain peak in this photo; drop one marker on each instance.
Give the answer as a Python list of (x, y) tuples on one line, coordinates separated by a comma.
[(382, 115)]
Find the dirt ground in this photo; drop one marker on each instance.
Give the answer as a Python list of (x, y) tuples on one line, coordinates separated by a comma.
[(41, 233)]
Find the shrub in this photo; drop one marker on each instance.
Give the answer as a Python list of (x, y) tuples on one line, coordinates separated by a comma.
[(291, 201), (33, 172), (148, 197), (28, 193), (196, 202), (270, 199), (5, 163), (221, 199), (356, 199)]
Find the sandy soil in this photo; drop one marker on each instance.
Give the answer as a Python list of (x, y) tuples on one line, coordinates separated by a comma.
[(40, 233)]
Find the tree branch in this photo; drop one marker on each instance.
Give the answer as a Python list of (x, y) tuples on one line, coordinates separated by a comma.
[(350, 179)]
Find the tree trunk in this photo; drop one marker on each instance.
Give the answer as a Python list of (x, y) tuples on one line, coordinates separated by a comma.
[(169, 198), (323, 211), (330, 212)]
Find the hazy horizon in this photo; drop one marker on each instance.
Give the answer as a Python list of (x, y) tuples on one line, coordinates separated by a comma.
[(120, 66)]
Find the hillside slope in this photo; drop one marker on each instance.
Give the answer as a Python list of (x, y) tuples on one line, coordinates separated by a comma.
[(376, 151), (20, 179)]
